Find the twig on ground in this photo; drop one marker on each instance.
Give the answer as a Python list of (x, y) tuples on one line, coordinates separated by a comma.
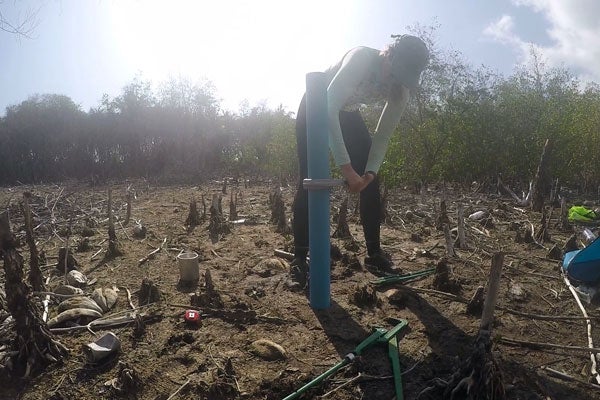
[(152, 253), (588, 322), (46, 302), (566, 377), (361, 376), (60, 296), (124, 230), (179, 390), (541, 345), (95, 254), (129, 298), (460, 299)]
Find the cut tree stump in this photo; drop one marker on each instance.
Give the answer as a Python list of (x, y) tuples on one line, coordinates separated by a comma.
[(113, 244), (544, 233), (460, 213), (564, 218), (128, 214), (66, 259), (442, 218), (209, 297), (475, 305), (149, 293), (193, 219), (278, 212), (444, 279), (233, 215), (217, 225), (343, 230), (449, 242), (35, 274), (35, 344)]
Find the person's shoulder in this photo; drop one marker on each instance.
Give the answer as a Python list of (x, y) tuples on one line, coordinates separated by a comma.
[(362, 52), (357, 58)]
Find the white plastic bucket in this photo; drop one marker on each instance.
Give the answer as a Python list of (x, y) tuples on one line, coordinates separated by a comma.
[(188, 267)]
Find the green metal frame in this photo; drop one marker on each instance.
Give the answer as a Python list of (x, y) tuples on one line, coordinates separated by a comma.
[(380, 335), (386, 280)]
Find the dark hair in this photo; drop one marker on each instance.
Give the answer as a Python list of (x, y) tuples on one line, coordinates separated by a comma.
[(409, 56)]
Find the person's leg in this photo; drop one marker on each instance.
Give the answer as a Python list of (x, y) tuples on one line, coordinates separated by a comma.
[(300, 205), (358, 143)]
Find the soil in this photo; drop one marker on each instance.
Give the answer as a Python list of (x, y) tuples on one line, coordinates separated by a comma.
[(249, 297)]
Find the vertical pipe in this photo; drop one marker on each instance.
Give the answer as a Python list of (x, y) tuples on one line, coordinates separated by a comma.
[(318, 200)]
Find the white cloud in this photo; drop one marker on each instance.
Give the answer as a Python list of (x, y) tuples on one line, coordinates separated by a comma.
[(503, 31), (574, 29)]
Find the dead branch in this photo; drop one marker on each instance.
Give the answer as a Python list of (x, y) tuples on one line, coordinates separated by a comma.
[(120, 318), (521, 202), (24, 26), (492, 292), (540, 181), (479, 377)]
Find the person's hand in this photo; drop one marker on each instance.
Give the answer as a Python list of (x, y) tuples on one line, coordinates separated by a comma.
[(356, 183)]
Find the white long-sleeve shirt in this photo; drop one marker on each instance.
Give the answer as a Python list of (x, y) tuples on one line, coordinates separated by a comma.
[(358, 79)]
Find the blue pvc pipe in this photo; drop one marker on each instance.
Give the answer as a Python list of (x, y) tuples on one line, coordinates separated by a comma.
[(318, 200)]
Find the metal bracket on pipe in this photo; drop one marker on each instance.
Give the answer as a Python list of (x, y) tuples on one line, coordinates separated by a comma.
[(322, 184)]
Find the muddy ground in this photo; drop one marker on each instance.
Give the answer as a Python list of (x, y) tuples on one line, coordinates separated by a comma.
[(165, 358)]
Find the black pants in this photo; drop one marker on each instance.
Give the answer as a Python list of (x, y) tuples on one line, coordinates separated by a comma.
[(358, 143)]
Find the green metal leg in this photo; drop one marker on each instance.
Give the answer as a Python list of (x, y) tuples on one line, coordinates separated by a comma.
[(393, 353), (380, 335), (391, 337), (368, 342)]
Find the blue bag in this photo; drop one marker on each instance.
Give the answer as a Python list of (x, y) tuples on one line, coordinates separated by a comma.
[(584, 265)]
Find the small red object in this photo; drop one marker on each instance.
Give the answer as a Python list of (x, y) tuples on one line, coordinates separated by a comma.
[(192, 316)]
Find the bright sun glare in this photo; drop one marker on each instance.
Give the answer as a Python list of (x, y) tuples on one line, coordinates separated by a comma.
[(239, 45)]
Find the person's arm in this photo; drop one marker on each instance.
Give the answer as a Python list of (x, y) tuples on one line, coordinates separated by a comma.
[(352, 71), (390, 116)]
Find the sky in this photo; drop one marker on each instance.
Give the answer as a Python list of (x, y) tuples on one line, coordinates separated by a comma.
[(259, 51)]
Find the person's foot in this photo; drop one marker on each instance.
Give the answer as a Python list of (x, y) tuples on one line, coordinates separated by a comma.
[(380, 261), (299, 272)]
